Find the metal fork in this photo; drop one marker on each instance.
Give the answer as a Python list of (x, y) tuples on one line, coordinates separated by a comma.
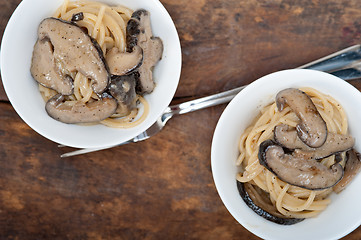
[(345, 64), (169, 112)]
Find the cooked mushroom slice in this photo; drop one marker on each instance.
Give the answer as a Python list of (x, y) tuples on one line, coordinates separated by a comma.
[(297, 170), (121, 63), (312, 130), (122, 88), (139, 33), (72, 50), (81, 112), (352, 167), (48, 71), (338, 159), (258, 200), (77, 17), (287, 137)]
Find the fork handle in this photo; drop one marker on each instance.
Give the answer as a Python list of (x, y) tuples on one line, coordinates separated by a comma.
[(348, 58), (204, 102)]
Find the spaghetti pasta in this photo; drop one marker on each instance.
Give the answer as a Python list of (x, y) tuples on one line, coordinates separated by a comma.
[(290, 201), (107, 25)]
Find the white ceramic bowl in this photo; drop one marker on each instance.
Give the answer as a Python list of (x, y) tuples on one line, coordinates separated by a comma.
[(17, 45), (343, 215)]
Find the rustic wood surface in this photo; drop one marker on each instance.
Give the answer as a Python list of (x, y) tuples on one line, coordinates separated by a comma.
[(163, 188)]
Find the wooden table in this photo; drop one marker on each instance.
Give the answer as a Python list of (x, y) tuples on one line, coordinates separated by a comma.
[(163, 188)]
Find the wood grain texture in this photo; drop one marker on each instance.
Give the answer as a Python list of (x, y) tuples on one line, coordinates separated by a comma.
[(230, 43), (152, 190), (163, 188), (6, 9)]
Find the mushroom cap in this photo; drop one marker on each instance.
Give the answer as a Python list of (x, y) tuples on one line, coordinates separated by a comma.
[(257, 200), (80, 112), (352, 168), (312, 129), (139, 33), (122, 88), (121, 63), (48, 71), (298, 169), (70, 49), (335, 143), (77, 17)]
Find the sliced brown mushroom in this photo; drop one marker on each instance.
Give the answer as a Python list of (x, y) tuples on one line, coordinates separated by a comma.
[(288, 137), (77, 17), (258, 200), (67, 49), (122, 88), (121, 63), (352, 168), (139, 33), (80, 112), (48, 71), (296, 169), (312, 130)]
